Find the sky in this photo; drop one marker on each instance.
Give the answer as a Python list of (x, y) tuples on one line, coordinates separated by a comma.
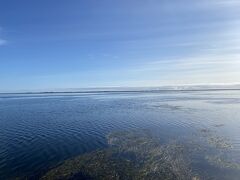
[(51, 44)]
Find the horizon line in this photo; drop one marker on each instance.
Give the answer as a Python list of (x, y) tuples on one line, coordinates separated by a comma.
[(186, 87)]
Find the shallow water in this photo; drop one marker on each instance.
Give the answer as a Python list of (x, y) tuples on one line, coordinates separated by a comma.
[(39, 131)]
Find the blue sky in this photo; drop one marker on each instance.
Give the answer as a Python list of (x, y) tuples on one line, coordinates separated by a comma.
[(52, 44)]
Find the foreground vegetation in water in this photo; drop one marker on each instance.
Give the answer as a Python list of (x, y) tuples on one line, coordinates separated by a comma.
[(138, 155), (132, 155)]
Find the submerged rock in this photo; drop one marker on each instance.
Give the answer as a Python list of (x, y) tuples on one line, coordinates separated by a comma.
[(131, 155)]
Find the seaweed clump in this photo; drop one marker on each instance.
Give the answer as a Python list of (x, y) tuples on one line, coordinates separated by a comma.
[(131, 155), (223, 162), (216, 141)]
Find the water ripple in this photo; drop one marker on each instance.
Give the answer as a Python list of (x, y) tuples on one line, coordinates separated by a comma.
[(39, 132)]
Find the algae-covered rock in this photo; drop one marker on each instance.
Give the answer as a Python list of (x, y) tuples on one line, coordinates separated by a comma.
[(131, 155)]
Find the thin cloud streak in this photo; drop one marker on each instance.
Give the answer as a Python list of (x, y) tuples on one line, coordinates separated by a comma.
[(2, 42), (228, 2)]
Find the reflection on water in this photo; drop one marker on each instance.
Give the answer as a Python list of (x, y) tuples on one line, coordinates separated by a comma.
[(188, 134)]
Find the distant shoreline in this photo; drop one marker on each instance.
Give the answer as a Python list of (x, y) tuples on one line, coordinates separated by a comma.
[(124, 91)]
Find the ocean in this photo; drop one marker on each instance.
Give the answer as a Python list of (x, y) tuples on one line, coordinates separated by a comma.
[(39, 132)]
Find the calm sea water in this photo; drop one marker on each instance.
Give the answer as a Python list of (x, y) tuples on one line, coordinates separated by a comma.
[(39, 131)]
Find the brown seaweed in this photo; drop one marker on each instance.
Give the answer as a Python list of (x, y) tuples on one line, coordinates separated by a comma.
[(132, 155)]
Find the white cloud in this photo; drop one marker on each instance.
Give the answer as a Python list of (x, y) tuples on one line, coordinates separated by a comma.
[(228, 2), (208, 68), (2, 42)]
